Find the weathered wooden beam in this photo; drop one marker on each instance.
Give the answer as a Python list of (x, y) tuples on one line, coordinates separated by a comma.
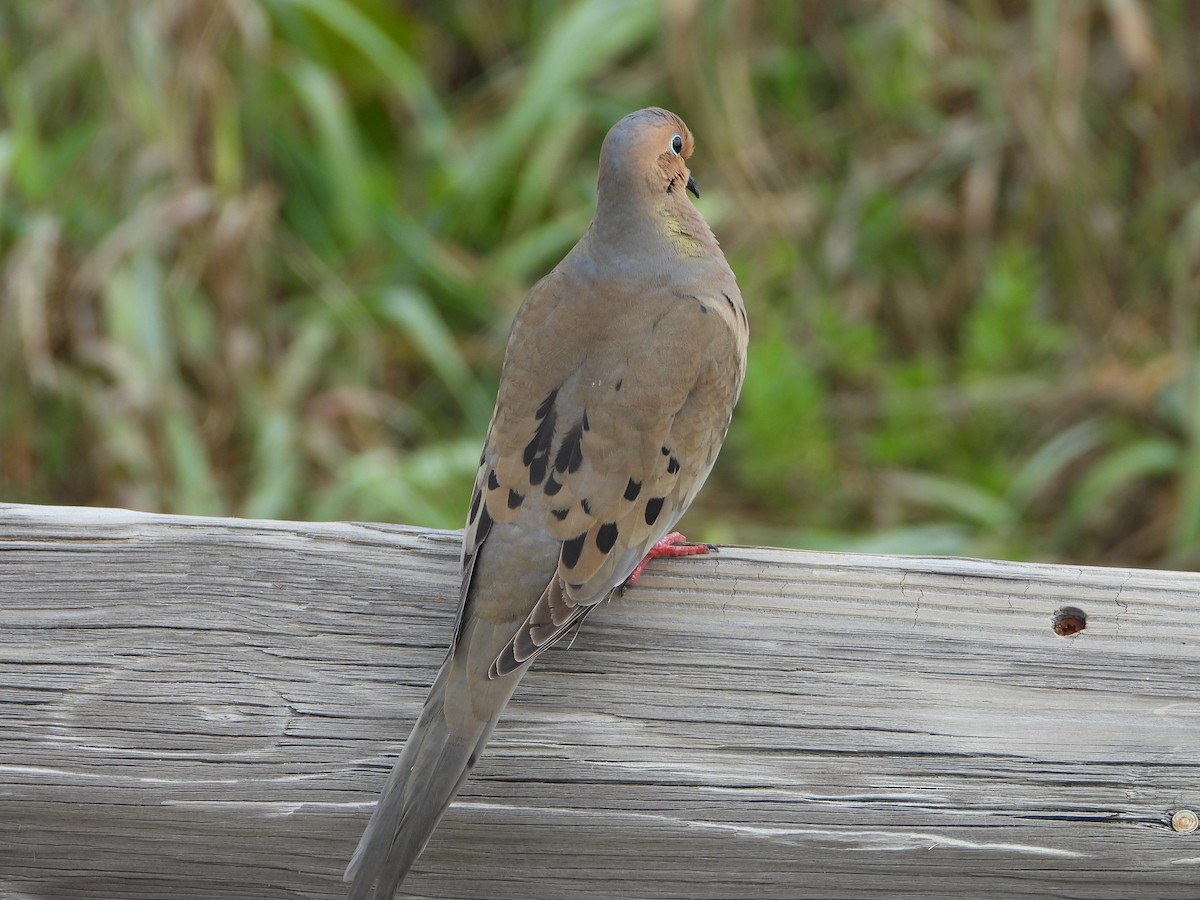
[(203, 708)]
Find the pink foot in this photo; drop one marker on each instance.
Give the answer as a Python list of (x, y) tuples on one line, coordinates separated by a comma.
[(674, 544)]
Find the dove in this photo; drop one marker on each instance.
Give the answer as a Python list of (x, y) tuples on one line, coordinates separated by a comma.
[(619, 381)]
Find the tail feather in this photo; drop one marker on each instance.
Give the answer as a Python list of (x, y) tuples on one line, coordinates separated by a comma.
[(461, 710), (432, 767)]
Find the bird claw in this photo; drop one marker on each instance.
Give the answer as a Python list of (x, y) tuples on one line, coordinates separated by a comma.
[(674, 544)]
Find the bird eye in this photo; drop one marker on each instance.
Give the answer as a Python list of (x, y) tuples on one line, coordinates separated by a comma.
[(677, 144)]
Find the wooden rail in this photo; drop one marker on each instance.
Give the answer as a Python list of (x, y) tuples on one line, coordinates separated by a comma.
[(206, 708)]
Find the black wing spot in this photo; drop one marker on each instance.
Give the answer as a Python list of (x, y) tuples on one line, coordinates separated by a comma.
[(653, 508), (586, 426), (560, 514), (537, 451), (570, 451), (673, 466), (587, 507), (537, 471), (606, 536), (666, 451), (475, 499), (729, 300), (632, 489), (515, 499), (620, 381), (485, 525), (552, 487), (493, 481), (571, 550)]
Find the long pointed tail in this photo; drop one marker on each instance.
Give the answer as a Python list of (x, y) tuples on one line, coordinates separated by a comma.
[(432, 766)]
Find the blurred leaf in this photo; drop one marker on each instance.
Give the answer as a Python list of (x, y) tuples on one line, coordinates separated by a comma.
[(345, 167), (431, 486), (1005, 330), (534, 252), (948, 495), (275, 476), (547, 164), (781, 425), (303, 364), (228, 152), (411, 312), (196, 491), (403, 73), (1184, 260), (915, 540), (1119, 473), (908, 432), (585, 37), (136, 318), (1185, 531), (1049, 463), (8, 153)]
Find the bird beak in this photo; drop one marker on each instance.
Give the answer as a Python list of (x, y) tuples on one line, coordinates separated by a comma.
[(691, 186)]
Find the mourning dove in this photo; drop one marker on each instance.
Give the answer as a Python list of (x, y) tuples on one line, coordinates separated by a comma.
[(621, 373)]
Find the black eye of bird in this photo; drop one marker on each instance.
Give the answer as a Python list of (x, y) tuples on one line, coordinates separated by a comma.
[(677, 145)]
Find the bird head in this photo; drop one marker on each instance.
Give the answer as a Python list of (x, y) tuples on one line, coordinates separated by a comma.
[(648, 145)]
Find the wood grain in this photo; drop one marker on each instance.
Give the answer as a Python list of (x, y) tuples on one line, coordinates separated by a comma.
[(206, 708)]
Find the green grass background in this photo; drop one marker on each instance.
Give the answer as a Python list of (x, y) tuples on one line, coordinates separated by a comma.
[(260, 258)]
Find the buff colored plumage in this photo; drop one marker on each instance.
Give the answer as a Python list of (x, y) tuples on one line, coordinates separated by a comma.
[(622, 370)]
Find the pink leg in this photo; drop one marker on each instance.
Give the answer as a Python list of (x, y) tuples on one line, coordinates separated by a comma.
[(674, 544)]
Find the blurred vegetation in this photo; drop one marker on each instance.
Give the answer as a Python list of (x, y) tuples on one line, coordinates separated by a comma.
[(259, 258)]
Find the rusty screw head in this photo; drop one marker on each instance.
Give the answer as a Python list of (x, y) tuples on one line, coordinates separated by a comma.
[(1068, 621)]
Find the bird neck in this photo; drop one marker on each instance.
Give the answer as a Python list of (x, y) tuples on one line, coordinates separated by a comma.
[(647, 223)]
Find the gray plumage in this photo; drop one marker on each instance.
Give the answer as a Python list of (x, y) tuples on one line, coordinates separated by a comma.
[(621, 373)]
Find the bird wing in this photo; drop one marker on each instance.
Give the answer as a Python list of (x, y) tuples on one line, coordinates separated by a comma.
[(602, 450)]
